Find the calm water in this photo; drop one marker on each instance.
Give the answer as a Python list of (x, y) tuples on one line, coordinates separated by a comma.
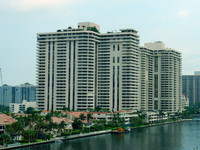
[(177, 136)]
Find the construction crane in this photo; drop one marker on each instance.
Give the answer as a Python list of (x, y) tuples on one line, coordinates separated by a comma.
[(1, 77)]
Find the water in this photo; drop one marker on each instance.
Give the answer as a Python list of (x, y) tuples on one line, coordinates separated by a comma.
[(177, 136)]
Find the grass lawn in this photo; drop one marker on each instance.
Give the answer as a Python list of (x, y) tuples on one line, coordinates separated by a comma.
[(38, 140)]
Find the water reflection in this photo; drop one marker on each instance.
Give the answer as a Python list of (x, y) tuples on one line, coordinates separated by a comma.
[(177, 136)]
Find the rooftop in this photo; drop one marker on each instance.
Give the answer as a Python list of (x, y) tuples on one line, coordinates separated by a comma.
[(5, 119)]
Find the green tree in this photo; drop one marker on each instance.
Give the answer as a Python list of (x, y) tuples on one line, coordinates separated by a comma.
[(30, 110), (29, 135), (18, 129), (65, 108), (90, 109), (4, 108), (93, 29), (4, 139), (97, 108), (82, 117), (149, 118), (40, 124), (77, 124), (61, 126), (136, 121), (9, 130), (48, 117), (89, 118), (118, 120), (161, 114)]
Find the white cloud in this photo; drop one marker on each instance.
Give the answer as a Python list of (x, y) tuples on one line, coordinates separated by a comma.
[(182, 14), (28, 5)]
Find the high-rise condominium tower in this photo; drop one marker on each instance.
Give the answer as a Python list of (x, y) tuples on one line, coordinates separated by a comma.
[(166, 76), (147, 82), (118, 71), (80, 68)]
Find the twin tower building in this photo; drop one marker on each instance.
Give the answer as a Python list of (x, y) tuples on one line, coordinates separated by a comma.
[(81, 68)]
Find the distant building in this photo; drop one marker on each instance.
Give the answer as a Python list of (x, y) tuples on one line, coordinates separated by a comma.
[(185, 102), (157, 45), (197, 73), (16, 94), (191, 87), (16, 108)]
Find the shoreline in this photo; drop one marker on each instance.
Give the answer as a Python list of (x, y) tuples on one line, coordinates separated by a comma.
[(71, 137), (164, 123)]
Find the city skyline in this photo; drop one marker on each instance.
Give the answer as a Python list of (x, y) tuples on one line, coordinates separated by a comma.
[(174, 23)]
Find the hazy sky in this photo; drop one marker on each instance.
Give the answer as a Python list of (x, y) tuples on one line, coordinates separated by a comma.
[(175, 22)]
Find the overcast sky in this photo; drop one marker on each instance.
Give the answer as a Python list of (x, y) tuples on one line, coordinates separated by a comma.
[(175, 22)]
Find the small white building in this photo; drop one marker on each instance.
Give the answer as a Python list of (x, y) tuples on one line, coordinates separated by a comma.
[(16, 107), (127, 115), (152, 117)]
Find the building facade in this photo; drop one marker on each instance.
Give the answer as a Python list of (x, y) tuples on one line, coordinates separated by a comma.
[(80, 68), (21, 107), (167, 82), (16, 94), (66, 73), (147, 80), (118, 71), (191, 88)]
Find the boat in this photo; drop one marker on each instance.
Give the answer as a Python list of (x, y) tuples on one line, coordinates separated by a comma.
[(121, 131)]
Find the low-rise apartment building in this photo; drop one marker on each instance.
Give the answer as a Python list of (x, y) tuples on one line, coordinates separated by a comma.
[(21, 107)]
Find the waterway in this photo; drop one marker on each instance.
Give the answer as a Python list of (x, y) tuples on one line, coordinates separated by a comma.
[(176, 136)]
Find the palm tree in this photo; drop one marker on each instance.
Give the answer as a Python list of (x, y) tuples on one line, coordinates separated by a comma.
[(48, 118), (57, 113), (168, 116), (39, 125), (89, 117), (65, 108), (77, 124), (18, 128), (161, 114), (5, 138), (142, 117), (149, 118), (31, 121), (82, 117), (51, 126), (61, 126), (9, 130), (97, 108)]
